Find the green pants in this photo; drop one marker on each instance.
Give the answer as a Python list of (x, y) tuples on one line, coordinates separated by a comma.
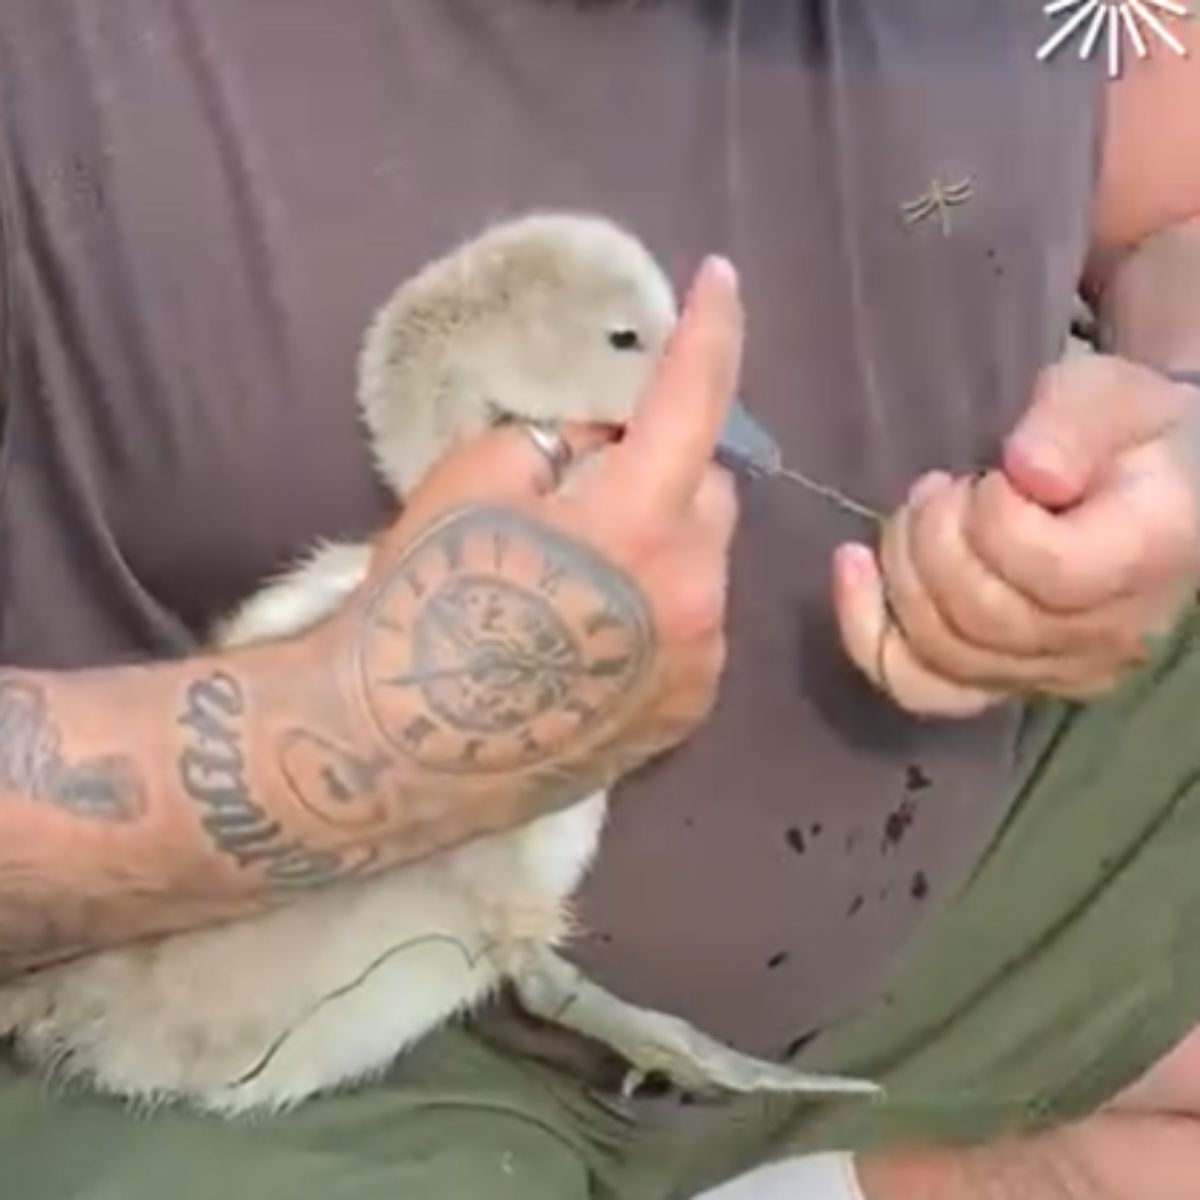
[(1067, 964)]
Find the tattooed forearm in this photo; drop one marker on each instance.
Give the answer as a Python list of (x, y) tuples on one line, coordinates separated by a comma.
[(488, 678), (213, 771), (34, 765), (496, 641)]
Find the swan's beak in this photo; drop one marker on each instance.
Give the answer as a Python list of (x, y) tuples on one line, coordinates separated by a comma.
[(745, 447)]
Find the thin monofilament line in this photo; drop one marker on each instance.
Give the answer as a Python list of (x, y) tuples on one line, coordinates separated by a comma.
[(470, 958), (831, 493)]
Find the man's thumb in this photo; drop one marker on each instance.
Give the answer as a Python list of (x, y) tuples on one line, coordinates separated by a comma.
[(1085, 413)]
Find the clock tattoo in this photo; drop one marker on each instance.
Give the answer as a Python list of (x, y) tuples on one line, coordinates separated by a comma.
[(496, 640)]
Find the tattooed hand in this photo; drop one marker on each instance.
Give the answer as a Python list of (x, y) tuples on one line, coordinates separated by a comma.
[(514, 648), (511, 632)]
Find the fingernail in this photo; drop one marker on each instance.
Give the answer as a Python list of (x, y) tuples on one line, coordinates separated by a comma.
[(855, 562), (718, 268), (1048, 456), (1043, 457), (928, 486)]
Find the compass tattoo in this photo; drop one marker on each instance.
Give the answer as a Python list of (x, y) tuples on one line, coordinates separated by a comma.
[(496, 640)]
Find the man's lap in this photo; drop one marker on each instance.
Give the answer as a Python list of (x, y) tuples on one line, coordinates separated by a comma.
[(1066, 964), (457, 1122)]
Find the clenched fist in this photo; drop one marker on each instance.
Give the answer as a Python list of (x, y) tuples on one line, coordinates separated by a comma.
[(1050, 574)]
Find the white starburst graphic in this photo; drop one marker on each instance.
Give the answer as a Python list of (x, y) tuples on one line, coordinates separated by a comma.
[(1117, 21)]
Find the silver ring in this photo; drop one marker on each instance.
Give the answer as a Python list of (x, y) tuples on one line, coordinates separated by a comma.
[(555, 448)]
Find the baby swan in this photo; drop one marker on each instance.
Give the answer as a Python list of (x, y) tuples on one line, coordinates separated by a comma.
[(549, 317)]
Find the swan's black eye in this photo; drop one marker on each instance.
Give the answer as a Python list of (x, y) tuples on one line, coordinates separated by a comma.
[(624, 339)]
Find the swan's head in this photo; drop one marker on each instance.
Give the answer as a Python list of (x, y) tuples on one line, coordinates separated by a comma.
[(555, 317)]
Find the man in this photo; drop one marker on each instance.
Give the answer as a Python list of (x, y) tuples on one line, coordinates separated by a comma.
[(201, 206)]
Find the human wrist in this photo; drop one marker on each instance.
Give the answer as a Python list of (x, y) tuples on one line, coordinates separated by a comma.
[(1149, 313), (329, 787), (1149, 306), (282, 770)]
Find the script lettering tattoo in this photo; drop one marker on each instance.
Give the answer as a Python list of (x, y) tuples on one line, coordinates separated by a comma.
[(33, 763), (212, 769), (517, 639)]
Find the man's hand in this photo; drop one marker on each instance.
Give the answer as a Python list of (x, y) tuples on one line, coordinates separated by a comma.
[(542, 641), (1052, 574)]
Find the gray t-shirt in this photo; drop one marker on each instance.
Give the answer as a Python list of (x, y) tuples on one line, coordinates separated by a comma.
[(204, 201)]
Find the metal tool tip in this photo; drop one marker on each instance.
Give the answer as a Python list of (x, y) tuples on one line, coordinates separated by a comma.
[(745, 442)]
